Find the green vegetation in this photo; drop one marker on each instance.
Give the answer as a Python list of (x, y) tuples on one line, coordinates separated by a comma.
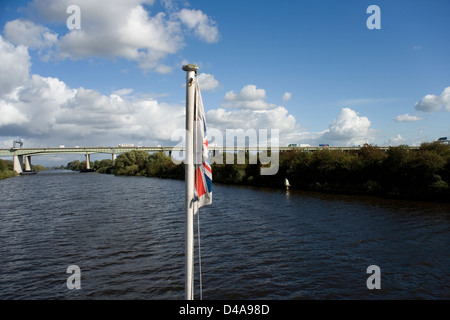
[(140, 163), (37, 168), (135, 163), (398, 172), (6, 169), (102, 166)]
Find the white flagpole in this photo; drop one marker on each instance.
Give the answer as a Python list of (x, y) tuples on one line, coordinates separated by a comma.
[(191, 71)]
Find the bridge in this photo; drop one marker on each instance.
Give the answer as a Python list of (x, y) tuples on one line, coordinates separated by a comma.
[(22, 156)]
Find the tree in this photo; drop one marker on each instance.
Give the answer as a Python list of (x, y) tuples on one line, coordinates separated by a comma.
[(131, 163)]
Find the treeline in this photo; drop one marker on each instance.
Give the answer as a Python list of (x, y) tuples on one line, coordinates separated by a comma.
[(6, 169), (399, 171), (422, 173), (102, 166), (135, 163)]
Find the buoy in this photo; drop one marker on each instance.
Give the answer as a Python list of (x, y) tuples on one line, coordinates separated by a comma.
[(286, 183)]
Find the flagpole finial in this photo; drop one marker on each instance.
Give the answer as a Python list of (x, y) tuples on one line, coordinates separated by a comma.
[(190, 67)]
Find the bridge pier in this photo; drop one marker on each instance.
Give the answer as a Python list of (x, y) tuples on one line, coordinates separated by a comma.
[(27, 163), (18, 164), (88, 163), (114, 157)]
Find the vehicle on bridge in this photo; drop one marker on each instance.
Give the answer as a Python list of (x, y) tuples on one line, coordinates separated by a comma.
[(18, 142), (301, 145)]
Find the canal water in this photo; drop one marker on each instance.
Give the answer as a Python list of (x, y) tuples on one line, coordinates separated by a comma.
[(126, 234)]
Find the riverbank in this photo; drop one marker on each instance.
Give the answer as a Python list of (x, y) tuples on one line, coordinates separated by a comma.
[(7, 174), (399, 172), (7, 169)]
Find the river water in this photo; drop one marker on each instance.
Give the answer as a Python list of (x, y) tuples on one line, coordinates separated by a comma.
[(126, 234)]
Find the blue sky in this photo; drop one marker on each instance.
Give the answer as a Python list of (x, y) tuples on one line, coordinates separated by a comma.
[(311, 69)]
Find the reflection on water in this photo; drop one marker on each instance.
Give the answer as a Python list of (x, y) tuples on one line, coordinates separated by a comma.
[(127, 236)]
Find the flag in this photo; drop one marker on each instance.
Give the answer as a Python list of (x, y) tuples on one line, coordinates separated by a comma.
[(203, 172)]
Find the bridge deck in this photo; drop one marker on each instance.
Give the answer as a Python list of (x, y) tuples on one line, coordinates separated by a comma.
[(116, 150)]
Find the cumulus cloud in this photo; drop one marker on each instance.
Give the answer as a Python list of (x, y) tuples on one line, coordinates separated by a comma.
[(14, 66), (35, 106), (203, 26), (47, 106), (432, 103), (11, 115), (407, 118), (207, 82), (277, 118), (248, 98), (349, 129), (112, 29), (248, 93), (249, 110), (27, 33)]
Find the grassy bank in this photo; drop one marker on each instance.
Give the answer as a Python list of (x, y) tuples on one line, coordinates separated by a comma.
[(6, 169)]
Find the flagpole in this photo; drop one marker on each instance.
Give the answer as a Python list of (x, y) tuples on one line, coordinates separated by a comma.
[(191, 71)]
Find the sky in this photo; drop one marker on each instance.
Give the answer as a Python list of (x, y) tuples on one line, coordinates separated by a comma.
[(316, 70)]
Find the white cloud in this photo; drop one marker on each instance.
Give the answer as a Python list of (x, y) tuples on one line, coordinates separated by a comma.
[(249, 98), (204, 27), (277, 118), (123, 92), (113, 29), (248, 110), (24, 32), (39, 106), (163, 69), (349, 129), (397, 140), (432, 103), (407, 118), (248, 93), (14, 65), (287, 96), (10, 115), (46, 106), (207, 82)]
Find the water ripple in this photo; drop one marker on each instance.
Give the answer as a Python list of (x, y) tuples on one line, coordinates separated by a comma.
[(127, 236)]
